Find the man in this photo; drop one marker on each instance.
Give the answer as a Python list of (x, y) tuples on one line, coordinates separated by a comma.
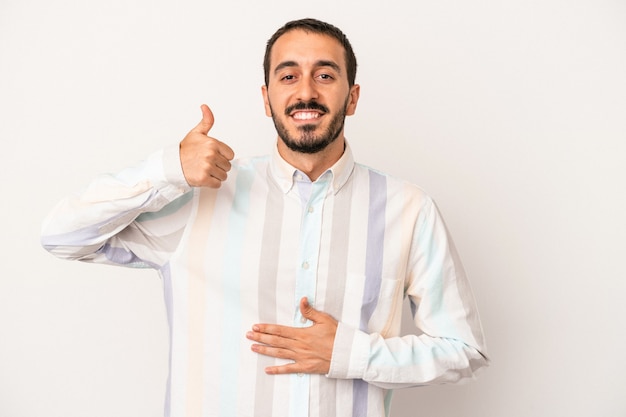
[(284, 276)]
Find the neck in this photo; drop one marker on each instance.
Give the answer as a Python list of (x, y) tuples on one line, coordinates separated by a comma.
[(315, 164)]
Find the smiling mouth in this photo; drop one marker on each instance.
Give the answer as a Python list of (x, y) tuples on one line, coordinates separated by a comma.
[(306, 115), (311, 111)]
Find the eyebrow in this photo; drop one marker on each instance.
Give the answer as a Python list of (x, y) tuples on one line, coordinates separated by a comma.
[(320, 63)]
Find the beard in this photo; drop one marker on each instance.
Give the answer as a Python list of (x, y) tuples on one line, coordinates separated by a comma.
[(309, 142)]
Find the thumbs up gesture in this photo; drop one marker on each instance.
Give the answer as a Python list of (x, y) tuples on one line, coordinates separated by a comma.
[(205, 160)]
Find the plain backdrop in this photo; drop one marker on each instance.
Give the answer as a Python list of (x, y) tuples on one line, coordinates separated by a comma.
[(511, 114)]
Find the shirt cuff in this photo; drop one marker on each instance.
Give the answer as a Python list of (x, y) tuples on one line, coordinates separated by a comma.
[(172, 169), (350, 353)]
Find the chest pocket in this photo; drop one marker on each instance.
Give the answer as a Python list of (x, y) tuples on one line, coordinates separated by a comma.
[(380, 304)]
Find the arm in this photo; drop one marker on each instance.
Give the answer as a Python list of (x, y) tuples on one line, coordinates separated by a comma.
[(136, 217), (450, 347), (400, 362), (339, 351)]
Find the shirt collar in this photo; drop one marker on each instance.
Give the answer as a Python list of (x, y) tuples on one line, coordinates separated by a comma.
[(284, 173)]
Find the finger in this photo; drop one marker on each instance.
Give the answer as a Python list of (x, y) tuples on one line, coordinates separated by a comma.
[(290, 368), (220, 165), (218, 174), (275, 330), (226, 151), (269, 339), (207, 121), (273, 352), (223, 166)]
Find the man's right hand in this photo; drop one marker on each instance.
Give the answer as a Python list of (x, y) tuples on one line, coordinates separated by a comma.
[(205, 160)]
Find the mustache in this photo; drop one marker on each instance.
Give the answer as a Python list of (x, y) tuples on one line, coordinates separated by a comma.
[(306, 105)]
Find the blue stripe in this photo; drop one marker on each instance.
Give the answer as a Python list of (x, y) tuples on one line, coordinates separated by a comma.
[(231, 284), (169, 305), (306, 281), (375, 246), (124, 257), (359, 398), (86, 236), (373, 272)]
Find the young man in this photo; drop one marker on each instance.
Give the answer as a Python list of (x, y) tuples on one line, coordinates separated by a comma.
[(284, 276)]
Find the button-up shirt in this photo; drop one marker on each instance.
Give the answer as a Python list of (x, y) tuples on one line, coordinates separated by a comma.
[(356, 242)]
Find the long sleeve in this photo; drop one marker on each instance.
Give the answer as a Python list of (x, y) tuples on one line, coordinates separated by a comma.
[(448, 344), (134, 218)]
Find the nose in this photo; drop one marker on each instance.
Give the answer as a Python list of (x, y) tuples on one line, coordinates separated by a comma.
[(307, 89)]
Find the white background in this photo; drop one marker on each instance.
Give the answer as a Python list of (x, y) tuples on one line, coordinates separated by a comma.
[(511, 114)]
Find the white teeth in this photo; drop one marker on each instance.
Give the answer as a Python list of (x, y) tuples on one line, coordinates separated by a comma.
[(306, 115)]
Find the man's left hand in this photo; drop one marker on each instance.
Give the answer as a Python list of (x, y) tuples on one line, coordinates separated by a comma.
[(310, 348)]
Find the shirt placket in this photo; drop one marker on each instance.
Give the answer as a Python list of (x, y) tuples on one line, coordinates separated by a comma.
[(306, 281)]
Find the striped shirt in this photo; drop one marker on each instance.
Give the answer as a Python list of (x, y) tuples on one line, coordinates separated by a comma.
[(356, 242)]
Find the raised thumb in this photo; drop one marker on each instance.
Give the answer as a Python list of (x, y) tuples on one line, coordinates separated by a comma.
[(207, 121)]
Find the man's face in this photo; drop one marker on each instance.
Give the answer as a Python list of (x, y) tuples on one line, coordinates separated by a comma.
[(308, 95)]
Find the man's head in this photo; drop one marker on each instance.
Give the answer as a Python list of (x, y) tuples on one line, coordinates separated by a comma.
[(309, 88), (319, 27)]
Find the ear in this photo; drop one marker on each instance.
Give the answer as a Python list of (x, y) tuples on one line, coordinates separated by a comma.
[(355, 91), (266, 101)]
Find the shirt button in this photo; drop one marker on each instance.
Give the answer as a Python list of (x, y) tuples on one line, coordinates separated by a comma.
[(305, 265), (300, 375), (303, 319), (311, 209)]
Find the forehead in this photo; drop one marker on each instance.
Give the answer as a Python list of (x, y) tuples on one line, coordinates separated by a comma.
[(306, 48)]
